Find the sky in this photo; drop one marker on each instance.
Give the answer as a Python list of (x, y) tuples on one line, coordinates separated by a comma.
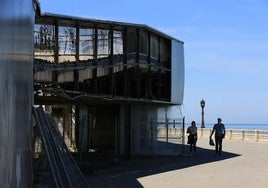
[(225, 49)]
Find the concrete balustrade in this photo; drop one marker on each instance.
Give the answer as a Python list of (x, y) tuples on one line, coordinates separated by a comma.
[(231, 134), (238, 134)]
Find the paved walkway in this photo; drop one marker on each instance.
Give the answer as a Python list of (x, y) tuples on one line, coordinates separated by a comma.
[(242, 164)]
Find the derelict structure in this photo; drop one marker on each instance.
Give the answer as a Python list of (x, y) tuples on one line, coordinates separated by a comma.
[(112, 76), (113, 89)]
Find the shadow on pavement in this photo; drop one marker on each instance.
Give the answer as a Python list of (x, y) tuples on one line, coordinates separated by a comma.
[(124, 173)]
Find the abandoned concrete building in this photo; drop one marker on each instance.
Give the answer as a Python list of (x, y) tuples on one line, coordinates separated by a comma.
[(106, 82), (114, 89)]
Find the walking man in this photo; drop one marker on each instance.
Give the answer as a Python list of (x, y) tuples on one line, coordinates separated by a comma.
[(219, 130)]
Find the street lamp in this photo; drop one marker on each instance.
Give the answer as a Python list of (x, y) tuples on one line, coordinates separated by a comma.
[(202, 104)]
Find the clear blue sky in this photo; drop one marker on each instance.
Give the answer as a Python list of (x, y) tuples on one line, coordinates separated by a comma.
[(226, 49)]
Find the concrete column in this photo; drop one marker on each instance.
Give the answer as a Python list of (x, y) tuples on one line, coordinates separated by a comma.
[(16, 92), (67, 125), (82, 130)]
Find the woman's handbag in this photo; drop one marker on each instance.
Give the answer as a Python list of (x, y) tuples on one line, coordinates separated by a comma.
[(211, 142), (190, 139)]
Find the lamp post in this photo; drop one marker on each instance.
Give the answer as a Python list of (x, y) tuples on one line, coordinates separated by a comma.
[(202, 104)]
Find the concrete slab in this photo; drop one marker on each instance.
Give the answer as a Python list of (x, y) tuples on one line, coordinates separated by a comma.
[(242, 164)]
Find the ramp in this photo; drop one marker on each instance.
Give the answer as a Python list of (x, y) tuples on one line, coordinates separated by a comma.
[(64, 168)]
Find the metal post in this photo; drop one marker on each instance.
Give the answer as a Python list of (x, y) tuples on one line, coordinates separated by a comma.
[(116, 129), (166, 124), (183, 136), (152, 149)]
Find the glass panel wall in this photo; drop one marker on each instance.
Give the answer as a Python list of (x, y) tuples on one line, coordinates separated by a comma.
[(165, 53), (104, 45), (143, 43), (154, 48), (67, 44), (117, 51), (146, 72), (118, 43), (131, 41), (131, 46), (86, 44), (44, 42)]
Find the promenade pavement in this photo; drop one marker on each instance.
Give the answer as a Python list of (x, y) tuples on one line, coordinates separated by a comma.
[(243, 164)]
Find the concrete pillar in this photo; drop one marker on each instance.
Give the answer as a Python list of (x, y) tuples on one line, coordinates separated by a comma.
[(82, 130), (16, 92), (67, 125)]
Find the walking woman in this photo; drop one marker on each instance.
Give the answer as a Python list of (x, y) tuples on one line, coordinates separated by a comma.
[(192, 137)]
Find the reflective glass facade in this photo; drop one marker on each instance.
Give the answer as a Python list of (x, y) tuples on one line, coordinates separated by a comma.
[(115, 60)]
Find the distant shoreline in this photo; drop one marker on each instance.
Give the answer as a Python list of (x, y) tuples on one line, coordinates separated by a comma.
[(239, 126)]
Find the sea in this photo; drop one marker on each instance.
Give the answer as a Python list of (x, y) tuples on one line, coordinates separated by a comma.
[(240, 126)]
